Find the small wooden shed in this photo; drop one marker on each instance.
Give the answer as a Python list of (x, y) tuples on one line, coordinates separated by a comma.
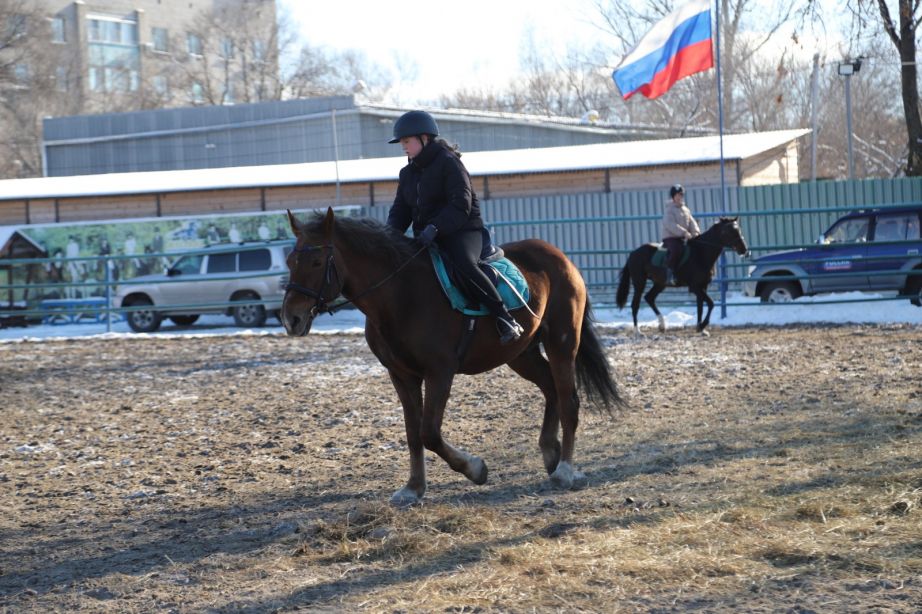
[(16, 245)]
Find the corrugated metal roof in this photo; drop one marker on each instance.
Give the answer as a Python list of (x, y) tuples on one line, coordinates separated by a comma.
[(516, 161)]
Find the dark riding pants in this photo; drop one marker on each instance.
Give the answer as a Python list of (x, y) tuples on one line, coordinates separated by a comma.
[(463, 249), (674, 247)]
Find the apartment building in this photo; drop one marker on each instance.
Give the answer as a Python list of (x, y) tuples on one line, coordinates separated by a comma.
[(159, 53)]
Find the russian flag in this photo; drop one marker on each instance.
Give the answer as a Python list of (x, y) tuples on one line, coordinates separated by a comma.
[(678, 45)]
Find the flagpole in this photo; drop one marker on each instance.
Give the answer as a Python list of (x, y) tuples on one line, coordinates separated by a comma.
[(720, 113), (723, 181)]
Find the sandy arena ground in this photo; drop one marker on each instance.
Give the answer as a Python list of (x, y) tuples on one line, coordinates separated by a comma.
[(760, 469)]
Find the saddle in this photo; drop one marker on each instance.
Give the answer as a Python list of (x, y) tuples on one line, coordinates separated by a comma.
[(509, 281), (659, 256)]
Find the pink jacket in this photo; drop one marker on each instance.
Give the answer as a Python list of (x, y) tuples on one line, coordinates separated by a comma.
[(678, 222)]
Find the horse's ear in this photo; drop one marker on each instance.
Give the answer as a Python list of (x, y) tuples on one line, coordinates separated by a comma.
[(295, 225), (328, 223)]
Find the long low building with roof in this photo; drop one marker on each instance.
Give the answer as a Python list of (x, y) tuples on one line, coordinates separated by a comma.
[(748, 159)]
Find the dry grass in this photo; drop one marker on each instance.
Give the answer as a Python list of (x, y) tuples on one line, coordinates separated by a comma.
[(758, 470)]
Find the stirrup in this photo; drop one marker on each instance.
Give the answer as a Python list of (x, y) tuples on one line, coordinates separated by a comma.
[(509, 330)]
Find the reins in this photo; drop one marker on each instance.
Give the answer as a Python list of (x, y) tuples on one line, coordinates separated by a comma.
[(320, 302)]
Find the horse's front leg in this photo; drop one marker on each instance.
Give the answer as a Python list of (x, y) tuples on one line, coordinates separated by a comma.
[(438, 388), (409, 390), (703, 297)]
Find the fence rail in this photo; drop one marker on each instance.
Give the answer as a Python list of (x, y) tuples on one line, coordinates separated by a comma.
[(596, 231)]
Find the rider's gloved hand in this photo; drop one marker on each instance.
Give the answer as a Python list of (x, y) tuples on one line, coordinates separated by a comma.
[(427, 236)]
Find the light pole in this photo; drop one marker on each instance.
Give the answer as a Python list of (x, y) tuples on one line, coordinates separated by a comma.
[(847, 69)]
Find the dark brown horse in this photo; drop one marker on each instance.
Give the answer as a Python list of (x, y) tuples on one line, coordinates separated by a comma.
[(696, 272), (414, 332)]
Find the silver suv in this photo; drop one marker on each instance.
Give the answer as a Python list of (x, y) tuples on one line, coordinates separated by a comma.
[(209, 281)]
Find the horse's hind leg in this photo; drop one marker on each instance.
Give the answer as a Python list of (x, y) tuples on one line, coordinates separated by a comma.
[(639, 285), (651, 301), (532, 366), (561, 354), (409, 390)]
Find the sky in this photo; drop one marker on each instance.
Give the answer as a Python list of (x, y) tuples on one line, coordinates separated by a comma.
[(741, 311), (445, 45)]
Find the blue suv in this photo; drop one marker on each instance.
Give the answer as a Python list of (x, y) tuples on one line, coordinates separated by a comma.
[(870, 250)]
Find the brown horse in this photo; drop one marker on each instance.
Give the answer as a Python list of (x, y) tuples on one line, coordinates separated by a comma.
[(416, 335)]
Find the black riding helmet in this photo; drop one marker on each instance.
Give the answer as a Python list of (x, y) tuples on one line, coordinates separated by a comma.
[(413, 123), (676, 189)]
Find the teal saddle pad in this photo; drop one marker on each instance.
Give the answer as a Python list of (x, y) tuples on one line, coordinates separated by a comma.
[(659, 256), (509, 278)]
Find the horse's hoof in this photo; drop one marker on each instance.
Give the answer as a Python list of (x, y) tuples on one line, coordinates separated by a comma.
[(563, 476), (551, 458), (662, 324), (405, 497), (478, 471), (579, 480), (704, 333)]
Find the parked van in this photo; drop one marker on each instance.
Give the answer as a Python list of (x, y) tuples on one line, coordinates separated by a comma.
[(209, 281)]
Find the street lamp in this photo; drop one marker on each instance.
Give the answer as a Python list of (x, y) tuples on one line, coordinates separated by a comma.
[(847, 69)]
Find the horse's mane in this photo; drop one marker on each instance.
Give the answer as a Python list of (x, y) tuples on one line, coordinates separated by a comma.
[(367, 237), (713, 228)]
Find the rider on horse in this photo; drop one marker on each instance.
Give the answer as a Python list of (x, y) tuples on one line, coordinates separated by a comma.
[(678, 227), (435, 195)]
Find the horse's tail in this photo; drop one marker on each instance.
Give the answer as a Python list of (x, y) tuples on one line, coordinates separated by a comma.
[(624, 286), (593, 372)]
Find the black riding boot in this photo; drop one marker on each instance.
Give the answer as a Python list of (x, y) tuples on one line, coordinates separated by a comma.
[(509, 329)]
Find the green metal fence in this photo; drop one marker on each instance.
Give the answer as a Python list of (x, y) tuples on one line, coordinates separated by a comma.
[(595, 230)]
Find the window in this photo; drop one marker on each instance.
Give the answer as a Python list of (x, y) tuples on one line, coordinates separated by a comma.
[(849, 231), (259, 50), (256, 260), (193, 44), (60, 79), (58, 30), (21, 73), (16, 27), (197, 94), (895, 227), (229, 91), (227, 48), (161, 85), (222, 263), (114, 55), (112, 30), (160, 39), (188, 265)]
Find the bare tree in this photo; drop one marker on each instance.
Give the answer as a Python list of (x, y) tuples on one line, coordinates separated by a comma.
[(903, 37), (37, 79)]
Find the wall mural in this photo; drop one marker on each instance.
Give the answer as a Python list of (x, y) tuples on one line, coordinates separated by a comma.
[(79, 254)]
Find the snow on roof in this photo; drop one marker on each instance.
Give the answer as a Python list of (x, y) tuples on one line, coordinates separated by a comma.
[(657, 152)]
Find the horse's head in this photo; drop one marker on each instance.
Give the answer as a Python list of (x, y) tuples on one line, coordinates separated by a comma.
[(313, 278), (731, 235)]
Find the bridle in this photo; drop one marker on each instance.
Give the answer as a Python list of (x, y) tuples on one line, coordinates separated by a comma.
[(329, 271), (739, 241), (321, 304)]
